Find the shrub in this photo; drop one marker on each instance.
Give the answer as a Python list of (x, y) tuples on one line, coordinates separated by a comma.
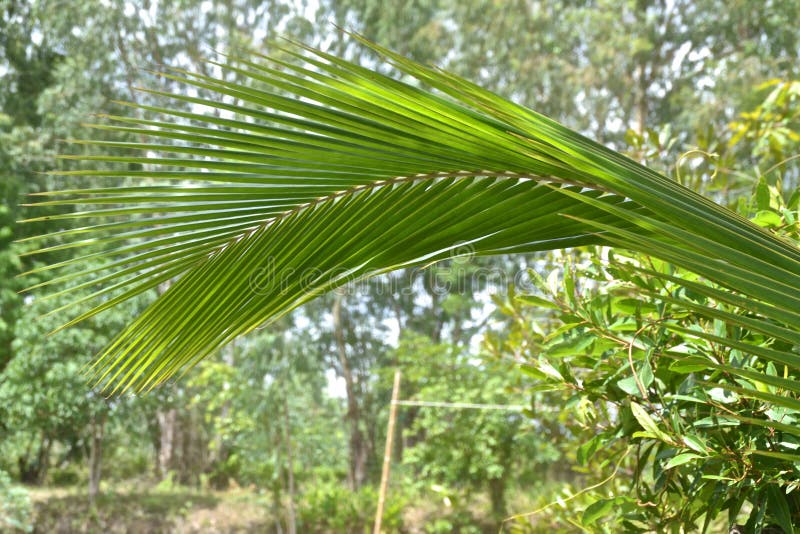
[(15, 506), (331, 507), (66, 476)]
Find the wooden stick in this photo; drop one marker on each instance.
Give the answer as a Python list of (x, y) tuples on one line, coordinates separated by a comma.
[(387, 454)]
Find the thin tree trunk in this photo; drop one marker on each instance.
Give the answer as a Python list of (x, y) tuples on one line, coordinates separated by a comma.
[(166, 420), (34, 471), (276, 512), (497, 495), (642, 104), (291, 525), (277, 487), (357, 469), (96, 455), (194, 447), (31, 471), (178, 461), (429, 283), (166, 448), (643, 79)]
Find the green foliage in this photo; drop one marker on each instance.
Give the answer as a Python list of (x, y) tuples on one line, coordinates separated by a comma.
[(330, 507), (601, 67), (665, 376), (38, 420), (65, 476), (694, 422), (243, 397), (770, 129), (15, 506), (461, 521), (469, 448)]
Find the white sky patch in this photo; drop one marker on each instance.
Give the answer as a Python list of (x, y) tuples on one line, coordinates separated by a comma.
[(680, 55), (301, 321), (309, 9), (336, 387), (259, 34), (392, 332)]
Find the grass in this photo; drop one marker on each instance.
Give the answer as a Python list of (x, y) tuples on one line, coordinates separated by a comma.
[(138, 506), (124, 510)]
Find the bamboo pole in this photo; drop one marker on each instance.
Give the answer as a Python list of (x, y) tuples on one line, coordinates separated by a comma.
[(387, 454)]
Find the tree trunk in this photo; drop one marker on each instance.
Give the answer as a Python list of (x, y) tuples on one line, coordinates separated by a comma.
[(291, 523), (497, 494), (642, 104), (181, 446), (276, 511), (276, 485), (438, 314), (358, 453), (96, 455), (642, 77), (33, 471), (193, 449), (167, 423)]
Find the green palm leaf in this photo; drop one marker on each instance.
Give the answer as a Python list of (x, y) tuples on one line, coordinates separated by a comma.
[(319, 172)]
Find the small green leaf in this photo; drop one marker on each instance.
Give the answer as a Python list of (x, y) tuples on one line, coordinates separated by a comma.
[(539, 302), (549, 370), (629, 386), (532, 371), (708, 422), (688, 365), (768, 219), (648, 423), (681, 459), (646, 374), (587, 450), (779, 509), (599, 509), (695, 443)]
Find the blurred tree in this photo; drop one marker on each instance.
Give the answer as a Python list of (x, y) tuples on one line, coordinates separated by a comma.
[(271, 423), (471, 448), (602, 66), (45, 404), (60, 65)]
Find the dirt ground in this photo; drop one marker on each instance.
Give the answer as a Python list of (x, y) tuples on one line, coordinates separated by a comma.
[(150, 512)]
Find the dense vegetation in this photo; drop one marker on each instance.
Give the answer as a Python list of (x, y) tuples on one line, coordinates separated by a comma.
[(645, 387)]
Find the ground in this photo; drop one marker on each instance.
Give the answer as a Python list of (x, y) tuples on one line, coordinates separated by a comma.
[(122, 511)]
